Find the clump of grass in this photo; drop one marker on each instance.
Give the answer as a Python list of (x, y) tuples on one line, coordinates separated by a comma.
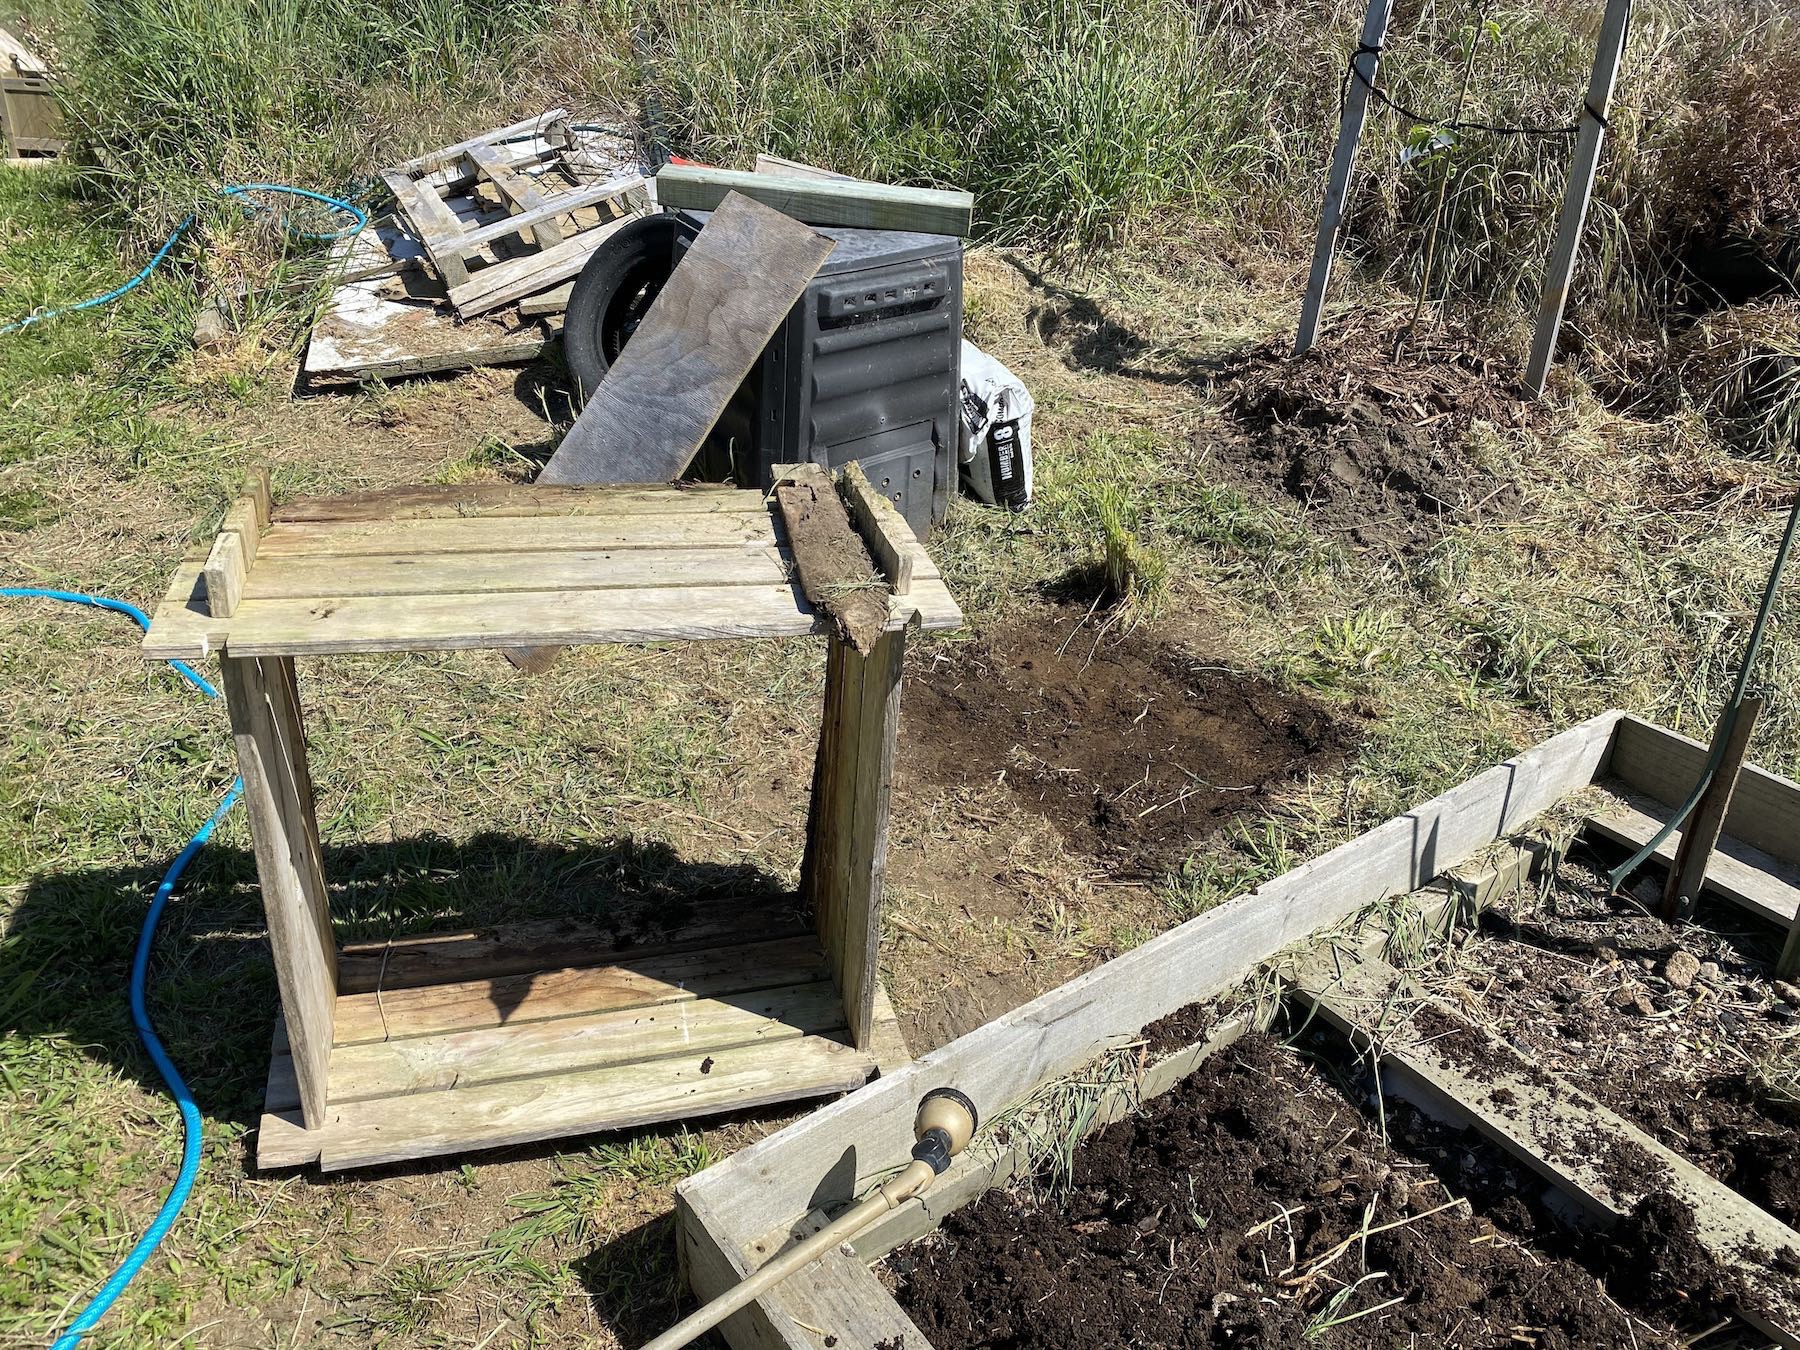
[(1136, 575), (1743, 366)]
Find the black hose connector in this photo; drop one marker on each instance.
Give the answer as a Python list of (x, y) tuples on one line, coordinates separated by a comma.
[(933, 1147)]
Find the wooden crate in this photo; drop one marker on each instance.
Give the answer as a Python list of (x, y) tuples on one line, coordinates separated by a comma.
[(30, 122), (448, 1042), (735, 1215)]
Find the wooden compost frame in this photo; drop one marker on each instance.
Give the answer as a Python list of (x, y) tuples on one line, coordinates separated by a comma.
[(737, 1214), (442, 1043)]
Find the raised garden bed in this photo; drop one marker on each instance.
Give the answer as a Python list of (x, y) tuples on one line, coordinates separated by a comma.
[(1514, 1141)]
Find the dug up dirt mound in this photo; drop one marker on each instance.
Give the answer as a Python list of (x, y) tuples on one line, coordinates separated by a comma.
[(1369, 430), (1131, 747), (1238, 1211)]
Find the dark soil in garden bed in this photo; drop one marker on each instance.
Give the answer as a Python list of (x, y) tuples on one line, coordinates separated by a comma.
[(1254, 1206), (1369, 430), (1131, 747), (1677, 1027)]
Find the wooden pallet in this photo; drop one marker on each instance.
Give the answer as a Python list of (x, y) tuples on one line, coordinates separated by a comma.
[(443, 1043), (737, 1214), (509, 213)]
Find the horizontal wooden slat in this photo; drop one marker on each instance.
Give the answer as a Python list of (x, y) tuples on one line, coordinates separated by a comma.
[(435, 159), (821, 201), (511, 1000), (560, 205), (515, 278), (498, 1114), (464, 500), (405, 574), (524, 618), (1665, 765), (553, 944), (501, 534), (1748, 877), (696, 1028)]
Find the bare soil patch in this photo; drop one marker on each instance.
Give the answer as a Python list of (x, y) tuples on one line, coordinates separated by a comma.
[(1368, 431), (1677, 1027), (1133, 748), (1236, 1211)]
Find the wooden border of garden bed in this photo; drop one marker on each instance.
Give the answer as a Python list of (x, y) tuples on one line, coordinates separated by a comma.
[(737, 1214)]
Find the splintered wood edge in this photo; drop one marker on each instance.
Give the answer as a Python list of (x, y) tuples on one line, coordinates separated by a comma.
[(830, 1156)]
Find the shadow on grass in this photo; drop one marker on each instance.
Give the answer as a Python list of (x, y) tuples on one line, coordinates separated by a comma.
[(65, 959), (1096, 341)]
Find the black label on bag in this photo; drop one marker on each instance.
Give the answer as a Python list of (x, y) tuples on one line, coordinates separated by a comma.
[(1007, 467)]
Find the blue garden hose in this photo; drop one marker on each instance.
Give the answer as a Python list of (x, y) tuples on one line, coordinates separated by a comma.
[(140, 1013), (239, 192)]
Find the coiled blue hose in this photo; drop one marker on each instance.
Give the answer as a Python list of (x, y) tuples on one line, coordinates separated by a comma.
[(238, 192), (140, 1012)]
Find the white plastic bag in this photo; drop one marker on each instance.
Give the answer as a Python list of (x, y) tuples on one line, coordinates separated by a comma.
[(995, 447)]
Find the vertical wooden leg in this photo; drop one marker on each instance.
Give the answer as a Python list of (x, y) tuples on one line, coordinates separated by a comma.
[(1701, 833), (271, 745), (846, 834)]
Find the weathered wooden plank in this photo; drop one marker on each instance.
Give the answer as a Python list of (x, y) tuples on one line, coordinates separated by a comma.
[(553, 301), (520, 618), (495, 1115), (505, 282), (1766, 886), (515, 619), (636, 931), (232, 555), (463, 500), (371, 332), (831, 562), (513, 1000), (394, 574), (1665, 765), (1365, 62), (833, 1153), (696, 343), (278, 796), (884, 530), (843, 875), (729, 530), (821, 201), (449, 154), (519, 192), (563, 204), (436, 225), (694, 1028), (1554, 1128)]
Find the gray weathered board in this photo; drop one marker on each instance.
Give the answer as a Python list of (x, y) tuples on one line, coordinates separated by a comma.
[(733, 1216), (696, 343), (821, 200)]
